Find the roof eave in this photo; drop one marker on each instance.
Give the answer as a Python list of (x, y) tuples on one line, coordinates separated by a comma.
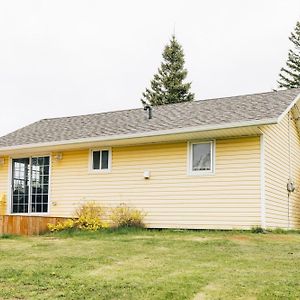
[(144, 135)]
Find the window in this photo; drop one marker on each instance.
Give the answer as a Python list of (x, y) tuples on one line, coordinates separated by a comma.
[(201, 158), (30, 184), (101, 160)]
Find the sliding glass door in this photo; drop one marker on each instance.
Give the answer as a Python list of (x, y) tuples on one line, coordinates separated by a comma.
[(20, 185), (30, 184)]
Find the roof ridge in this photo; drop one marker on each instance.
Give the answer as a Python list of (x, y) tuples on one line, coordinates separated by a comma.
[(168, 105), (119, 110)]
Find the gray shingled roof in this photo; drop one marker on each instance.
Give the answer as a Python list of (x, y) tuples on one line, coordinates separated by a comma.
[(220, 111)]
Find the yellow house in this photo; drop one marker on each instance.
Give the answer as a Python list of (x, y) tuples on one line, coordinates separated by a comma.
[(220, 163)]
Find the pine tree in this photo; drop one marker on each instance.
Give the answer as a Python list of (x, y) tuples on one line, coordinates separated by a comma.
[(290, 75), (167, 85)]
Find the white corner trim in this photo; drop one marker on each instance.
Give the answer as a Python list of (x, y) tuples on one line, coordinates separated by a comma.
[(288, 108), (262, 183)]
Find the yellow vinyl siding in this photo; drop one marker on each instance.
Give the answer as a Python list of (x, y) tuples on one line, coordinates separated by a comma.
[(4, 173), (171, 198), (276, 141)]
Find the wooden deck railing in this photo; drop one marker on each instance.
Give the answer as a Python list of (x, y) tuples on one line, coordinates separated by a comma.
[(26, 225)]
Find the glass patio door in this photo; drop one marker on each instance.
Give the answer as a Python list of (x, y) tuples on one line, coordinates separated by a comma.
[(30, 184), (20, 185)]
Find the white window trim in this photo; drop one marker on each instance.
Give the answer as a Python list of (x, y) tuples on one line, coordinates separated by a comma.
[(9, 192), (190, 158), (91, 170)]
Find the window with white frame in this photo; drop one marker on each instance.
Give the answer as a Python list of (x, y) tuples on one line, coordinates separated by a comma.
[(201, 157), (101, 160)]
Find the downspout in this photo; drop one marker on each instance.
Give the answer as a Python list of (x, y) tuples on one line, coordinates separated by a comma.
[(290, 184)]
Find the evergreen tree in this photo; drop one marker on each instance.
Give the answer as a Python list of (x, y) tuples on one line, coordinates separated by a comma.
[(167, 85), (289, 76)]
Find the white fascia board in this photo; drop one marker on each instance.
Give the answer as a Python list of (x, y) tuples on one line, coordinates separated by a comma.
[(145, 134)]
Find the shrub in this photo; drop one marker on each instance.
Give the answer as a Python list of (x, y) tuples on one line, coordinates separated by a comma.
[(91, 217), (88, 217), (257, 229), (67, 224), (124, 216)]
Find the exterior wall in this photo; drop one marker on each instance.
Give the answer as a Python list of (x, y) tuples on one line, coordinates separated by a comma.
[(276, 147), (228, 199), (231, 198), (4, 174)]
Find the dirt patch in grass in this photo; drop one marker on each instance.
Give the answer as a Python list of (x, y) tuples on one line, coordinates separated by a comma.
[(281, 237), (141, 263), (203, 295), (52, 239), (241, 238), (178, 238), (143, 237)]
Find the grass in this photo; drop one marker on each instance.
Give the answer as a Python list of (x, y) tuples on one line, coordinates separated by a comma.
[(144, 264)]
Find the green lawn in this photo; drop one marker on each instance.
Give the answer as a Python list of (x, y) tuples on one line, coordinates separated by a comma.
[(140, 264)]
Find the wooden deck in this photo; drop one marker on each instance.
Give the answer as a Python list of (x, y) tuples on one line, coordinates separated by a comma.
[(26, 225)]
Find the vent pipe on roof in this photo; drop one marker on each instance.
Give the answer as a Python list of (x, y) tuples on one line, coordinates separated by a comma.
[(148, 108)]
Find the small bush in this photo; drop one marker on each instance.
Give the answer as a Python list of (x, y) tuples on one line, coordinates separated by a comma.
[(88, 217), (67, 224), (257, 229), (124, 216)]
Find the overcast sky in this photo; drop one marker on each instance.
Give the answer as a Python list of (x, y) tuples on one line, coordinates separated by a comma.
[(67, 57)]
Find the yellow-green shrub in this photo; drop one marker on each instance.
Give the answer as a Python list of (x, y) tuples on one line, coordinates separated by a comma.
[(124, 216), (88, 217), (67, 224)]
